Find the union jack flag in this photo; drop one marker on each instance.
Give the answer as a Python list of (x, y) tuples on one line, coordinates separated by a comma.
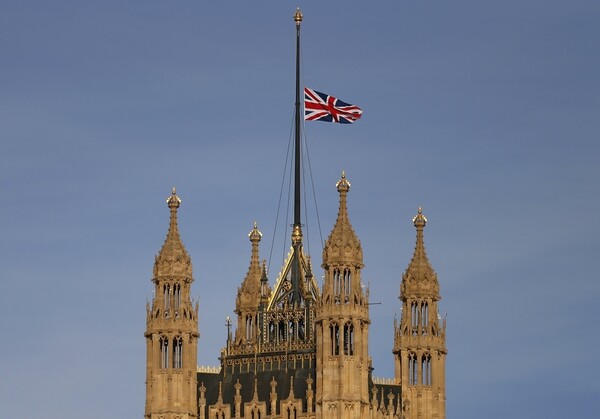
[(321, 107)]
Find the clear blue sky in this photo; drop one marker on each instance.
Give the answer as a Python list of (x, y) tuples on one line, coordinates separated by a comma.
[(485, 113)]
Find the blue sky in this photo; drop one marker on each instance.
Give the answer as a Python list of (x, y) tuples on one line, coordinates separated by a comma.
[(485, 113)]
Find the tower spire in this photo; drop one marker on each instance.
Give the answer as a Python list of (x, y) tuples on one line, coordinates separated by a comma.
[(249, 294), (420, 339), (420, 275), (343, 245), (254, 271), (171, 329), (173, 259)]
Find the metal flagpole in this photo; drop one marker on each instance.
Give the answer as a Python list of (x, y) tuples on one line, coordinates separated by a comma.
[(297, 228), (297, 152)]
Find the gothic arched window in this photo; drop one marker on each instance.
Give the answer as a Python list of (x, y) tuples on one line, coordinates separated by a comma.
[(413, 369), (164, 352), (249, 327), (337, 285), (424, 316), (272, 332), (414, 317), (426, 370), (349, 339), (291, 412), (281, 333), (167, 295), (177, 296), (334, 330), (177, 353), (347, 285), (301, 331)]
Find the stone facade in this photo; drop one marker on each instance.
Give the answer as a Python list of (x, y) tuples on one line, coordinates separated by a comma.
[(297, 351), (420, 339), (172, 331)]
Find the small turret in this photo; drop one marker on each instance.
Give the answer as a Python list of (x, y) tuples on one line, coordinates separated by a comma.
[(420, 339), (173, 259), (172, 329), (342, 256), (250, 294), (420, 277), (343, 246)]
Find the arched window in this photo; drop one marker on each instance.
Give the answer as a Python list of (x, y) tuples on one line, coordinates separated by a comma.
[(426, 370), (335, 338), (292, 329), (177, 296), (272, 332), (167, 295), (249, 327), (337, 285), (291, 412), (414, 317), (347, 285), (424, 314), (413, 369), (164, 352), (281, 333), (177, 353), (349, 339), (301, 331)]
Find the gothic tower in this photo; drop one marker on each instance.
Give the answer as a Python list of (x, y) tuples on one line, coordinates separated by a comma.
[(342, 323), (420, 340), (251, 297), (172, 331)]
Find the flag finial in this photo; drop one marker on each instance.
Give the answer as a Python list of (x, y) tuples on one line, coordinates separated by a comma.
[(298, 16)]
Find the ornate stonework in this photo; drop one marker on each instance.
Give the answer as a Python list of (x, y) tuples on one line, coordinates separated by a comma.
[(420, 339), (172, 331), (342, 323), (297, 351)]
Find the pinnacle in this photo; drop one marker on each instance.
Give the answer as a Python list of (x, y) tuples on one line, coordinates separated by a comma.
[(419, 270), (342, 245), (249, 292), (173, 259)]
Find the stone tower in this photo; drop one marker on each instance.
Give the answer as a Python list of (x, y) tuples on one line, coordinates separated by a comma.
[(251, 297), (342, 324), (420, 339), (172, 331)]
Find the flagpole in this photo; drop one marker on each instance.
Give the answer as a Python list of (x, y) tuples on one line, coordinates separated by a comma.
[(297, 152), (297, 228)]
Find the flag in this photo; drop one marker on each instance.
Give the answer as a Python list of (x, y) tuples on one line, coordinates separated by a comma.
[(321, 107)]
